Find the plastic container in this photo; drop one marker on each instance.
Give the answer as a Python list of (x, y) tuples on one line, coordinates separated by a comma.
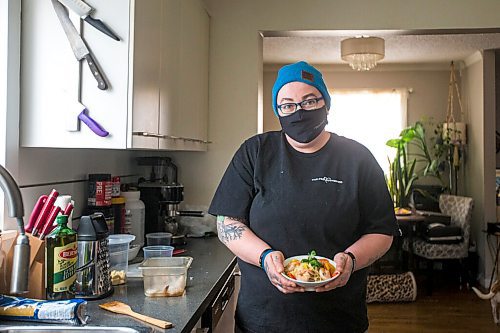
[(118, 257), (134, 216), (157, 251), (133, 251), (159, 238), (165, 276)]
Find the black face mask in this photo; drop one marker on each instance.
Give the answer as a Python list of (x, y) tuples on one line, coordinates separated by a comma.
[(304, 126)]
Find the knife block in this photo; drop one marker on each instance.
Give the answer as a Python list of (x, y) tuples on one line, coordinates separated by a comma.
[(7, 240), (36, 282)]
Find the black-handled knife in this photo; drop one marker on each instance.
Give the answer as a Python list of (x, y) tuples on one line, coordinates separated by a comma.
[(101, 83), (84, 11), (80, 49)]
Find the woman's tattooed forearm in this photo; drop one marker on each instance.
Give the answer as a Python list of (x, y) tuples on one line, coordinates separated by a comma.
[(231, 231)]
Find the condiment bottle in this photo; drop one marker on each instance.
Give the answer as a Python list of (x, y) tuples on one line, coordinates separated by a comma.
[(100, 189), (61, 257), (134, 216), (118, 205)]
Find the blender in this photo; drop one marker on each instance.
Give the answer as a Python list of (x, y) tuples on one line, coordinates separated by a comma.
[(162, 194)]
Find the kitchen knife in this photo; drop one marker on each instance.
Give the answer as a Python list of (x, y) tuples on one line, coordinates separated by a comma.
[(78, 113), (83, 10), (92, 124), (49, 223), (36, 211), (77, 44), (44, 212)]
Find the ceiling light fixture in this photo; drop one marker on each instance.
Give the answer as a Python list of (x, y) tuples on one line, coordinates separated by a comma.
[(362, 53)]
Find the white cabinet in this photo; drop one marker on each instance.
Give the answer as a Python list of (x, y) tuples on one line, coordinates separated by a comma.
[(157, 75)]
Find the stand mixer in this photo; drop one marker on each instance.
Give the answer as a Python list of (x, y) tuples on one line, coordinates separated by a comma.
[(162, 194)]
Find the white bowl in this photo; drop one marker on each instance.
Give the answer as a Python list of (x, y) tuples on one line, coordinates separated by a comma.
[(311, 286), (133, 251)]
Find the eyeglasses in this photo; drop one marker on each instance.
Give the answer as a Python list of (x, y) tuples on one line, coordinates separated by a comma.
[(308, 104)]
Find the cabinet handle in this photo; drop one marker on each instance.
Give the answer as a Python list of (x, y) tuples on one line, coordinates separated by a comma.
[(185, 139), (224, 304), (164, 136), (147, 134)]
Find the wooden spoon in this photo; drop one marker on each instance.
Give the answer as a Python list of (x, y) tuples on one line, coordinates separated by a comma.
[(122, 308)]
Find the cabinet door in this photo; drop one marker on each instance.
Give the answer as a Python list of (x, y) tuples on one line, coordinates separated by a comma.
[(144, 82), (170, 71), (184, 103), (53, 81)]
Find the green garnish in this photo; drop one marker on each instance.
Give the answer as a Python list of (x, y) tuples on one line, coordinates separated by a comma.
[(311, 260)]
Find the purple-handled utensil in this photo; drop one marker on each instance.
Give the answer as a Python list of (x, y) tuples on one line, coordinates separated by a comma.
[(92, 124)]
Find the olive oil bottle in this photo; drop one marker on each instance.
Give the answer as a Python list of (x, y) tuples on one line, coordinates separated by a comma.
[(60, 261)]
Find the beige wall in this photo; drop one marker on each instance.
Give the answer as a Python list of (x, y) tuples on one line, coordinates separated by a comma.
[(236, 58), (236, 61), (480, 160)]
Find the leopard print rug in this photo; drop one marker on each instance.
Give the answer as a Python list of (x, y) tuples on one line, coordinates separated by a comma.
[(391, 288)]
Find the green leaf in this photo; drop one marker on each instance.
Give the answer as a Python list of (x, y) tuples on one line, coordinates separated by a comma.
[(311, 260), (393, 143)]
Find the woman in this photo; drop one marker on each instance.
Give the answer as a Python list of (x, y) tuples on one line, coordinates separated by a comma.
[(288, 192)]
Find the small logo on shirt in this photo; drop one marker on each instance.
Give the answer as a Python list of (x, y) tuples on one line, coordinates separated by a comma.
[(327, 180)]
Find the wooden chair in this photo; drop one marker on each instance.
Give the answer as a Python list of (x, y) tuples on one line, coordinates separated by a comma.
[(460, 210)]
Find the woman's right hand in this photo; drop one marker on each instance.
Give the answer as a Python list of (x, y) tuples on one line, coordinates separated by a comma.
[(273, 265)]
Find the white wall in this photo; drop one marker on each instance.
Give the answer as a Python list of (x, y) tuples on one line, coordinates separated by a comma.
[(42, 169)]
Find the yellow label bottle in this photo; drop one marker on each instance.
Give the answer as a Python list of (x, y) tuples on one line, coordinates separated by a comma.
[(61, 255)]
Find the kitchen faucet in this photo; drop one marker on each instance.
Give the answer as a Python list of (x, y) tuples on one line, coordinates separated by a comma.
[(21, 260)]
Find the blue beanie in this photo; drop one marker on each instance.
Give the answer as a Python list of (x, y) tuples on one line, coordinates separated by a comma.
[(302, 72)]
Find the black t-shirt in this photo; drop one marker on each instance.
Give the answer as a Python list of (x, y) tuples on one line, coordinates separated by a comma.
[(298, 202)]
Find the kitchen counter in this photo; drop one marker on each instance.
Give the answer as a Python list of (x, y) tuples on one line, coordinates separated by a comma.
[(212, 265)]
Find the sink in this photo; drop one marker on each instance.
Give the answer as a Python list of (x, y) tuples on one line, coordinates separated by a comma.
[(69, 329)]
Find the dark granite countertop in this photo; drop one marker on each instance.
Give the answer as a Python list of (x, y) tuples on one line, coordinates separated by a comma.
[(212, 265)]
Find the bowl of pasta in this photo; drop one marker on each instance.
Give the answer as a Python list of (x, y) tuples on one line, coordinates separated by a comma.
[(310, 271)]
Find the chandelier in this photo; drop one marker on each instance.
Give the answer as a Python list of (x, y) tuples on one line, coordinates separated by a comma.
[(362, 53)]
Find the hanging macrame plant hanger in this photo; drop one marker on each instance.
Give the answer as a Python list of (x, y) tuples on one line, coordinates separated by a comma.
[(454, 132)]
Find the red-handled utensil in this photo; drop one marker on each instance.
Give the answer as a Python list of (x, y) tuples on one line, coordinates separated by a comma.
[(178, 251), (44, 212), (36, 211), (49, 224), (68, 209)]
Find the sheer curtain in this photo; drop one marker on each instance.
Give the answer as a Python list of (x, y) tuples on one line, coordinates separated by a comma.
[(371, 117)]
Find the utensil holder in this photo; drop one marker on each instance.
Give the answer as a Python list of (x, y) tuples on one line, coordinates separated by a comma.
[(36, 283)]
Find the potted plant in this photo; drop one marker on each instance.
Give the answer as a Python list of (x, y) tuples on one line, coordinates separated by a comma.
[(413, 160), (433, 161), (401, 169)]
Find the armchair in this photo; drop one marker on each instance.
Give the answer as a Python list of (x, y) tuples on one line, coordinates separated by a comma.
[(460, 210)]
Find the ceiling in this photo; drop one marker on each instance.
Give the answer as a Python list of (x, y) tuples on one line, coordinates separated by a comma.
[(400, 47)]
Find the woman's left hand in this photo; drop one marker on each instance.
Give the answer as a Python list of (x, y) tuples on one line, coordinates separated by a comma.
[(344, 266)]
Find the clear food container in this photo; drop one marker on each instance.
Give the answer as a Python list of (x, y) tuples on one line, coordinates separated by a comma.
[(157, 251), (118, 257), (158, 238), (165, 276)]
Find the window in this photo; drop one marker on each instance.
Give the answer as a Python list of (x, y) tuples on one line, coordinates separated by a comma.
[(370, 117)]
